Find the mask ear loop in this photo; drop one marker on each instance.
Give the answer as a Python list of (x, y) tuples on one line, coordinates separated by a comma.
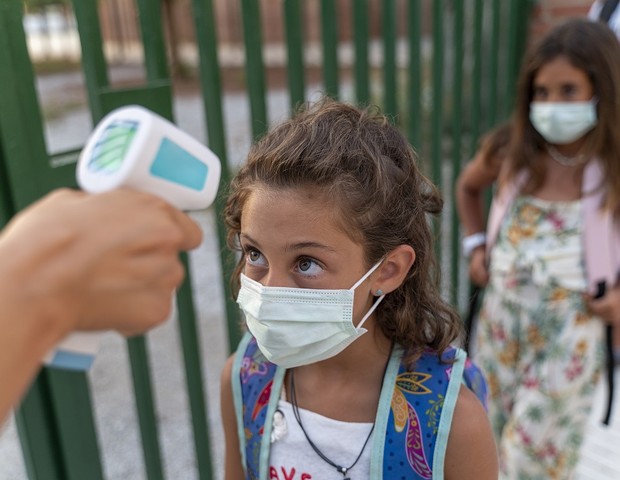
[(372, 309), (379, 299)]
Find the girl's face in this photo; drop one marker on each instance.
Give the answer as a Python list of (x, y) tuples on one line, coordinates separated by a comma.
[(560, 81), (291, 238)]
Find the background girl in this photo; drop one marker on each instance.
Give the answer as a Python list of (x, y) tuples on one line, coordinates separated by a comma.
[(552, 236)]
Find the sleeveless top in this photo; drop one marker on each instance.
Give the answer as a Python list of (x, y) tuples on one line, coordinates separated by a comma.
[(540, 242), (413, 419), (293, 458)]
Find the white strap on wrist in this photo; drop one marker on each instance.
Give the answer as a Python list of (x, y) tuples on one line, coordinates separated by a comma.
[(473, 241)]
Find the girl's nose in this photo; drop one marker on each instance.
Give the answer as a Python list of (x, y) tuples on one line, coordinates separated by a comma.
[(275, 278)]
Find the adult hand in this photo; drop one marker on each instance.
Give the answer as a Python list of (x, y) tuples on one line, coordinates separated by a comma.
[(478, 272), (74, 261), (90, 262)]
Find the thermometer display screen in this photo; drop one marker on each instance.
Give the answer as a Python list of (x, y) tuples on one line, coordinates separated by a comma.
[(109, 152)]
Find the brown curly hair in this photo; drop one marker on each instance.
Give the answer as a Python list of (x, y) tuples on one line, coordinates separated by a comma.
[(364, 165)]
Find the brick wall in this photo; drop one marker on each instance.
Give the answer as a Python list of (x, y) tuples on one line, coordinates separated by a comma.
[(548, 13), (119, 20)]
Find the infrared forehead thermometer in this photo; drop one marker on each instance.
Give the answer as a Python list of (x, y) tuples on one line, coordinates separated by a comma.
[(135, 148)]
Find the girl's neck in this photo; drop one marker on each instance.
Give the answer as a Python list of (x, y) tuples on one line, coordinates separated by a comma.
[(346, 387), (571, 149), (362, 355), (561, 183)]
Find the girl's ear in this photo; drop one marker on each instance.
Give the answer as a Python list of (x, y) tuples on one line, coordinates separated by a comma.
[(394, 269)]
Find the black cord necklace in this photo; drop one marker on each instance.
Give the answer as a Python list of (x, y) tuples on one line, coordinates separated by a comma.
[(339, 468)]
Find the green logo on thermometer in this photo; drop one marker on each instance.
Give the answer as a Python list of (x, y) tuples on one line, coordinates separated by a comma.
[(110, 150)]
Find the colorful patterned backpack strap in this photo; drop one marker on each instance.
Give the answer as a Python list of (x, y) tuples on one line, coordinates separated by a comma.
[(419, 415), (256, 387), (475, 380)]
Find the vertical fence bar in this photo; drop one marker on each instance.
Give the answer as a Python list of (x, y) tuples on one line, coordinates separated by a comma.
[(193, 372), (414, 114), (255, 72), (153, 41), (206, 30), (492, 109), (438, 94), (154, 46), (76, 426), (38, 433), (389, 59), (295, 52), (93, 60), (21, 122), (329, 40), (476, 76), (360, 40), (156, 66), (206, 37), (7, 208), (517, 35), (457, 151), (437, 118), (145, 407), (511, 58)]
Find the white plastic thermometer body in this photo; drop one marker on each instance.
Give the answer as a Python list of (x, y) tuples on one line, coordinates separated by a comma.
[(135, 148)]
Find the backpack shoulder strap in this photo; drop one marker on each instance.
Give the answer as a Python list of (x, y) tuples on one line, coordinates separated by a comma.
[(418, 417), (256, 386)]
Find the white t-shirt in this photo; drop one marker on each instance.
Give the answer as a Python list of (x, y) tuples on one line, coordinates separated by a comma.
[(292, 457), (614, 20)]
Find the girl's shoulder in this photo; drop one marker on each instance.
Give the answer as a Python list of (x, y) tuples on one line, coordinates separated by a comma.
[(471, 452)]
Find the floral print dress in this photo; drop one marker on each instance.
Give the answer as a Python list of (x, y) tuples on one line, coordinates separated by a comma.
[(540, 349)]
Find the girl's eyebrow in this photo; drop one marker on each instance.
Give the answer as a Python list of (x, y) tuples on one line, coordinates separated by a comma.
[(303, 245), (294, 246), (244, 236)]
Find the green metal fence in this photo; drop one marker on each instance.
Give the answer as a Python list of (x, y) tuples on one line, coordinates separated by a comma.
[(446, 73)]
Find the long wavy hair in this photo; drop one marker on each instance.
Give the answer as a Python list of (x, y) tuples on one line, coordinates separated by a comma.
[(366, 168), (591, 47)]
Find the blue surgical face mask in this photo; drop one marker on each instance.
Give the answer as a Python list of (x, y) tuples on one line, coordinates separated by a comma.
[(560, 123), (299, 326)]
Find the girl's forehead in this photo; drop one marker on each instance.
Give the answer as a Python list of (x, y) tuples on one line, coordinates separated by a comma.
[(560, 67), (295, 213)]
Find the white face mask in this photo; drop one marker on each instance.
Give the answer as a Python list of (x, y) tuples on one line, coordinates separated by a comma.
[(299, 326), (563, 122)]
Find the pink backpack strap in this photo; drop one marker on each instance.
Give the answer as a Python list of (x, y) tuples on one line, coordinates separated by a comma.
[(601, 234), (499, 206)]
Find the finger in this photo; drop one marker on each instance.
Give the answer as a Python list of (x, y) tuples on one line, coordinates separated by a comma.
[(192, 234)]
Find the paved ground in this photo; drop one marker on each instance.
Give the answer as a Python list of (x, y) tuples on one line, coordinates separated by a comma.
[(110, 378), (600, 459)]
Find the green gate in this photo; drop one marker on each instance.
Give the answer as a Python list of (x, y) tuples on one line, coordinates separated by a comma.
[(446, 74)]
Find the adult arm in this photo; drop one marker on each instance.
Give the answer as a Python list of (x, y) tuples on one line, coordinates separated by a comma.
[(474, 179), (74, 261), (471, 453), (233, 468)]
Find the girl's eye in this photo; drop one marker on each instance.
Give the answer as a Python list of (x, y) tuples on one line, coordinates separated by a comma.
[(254, 257), (568, 90), (308, 266), (540, 93)]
